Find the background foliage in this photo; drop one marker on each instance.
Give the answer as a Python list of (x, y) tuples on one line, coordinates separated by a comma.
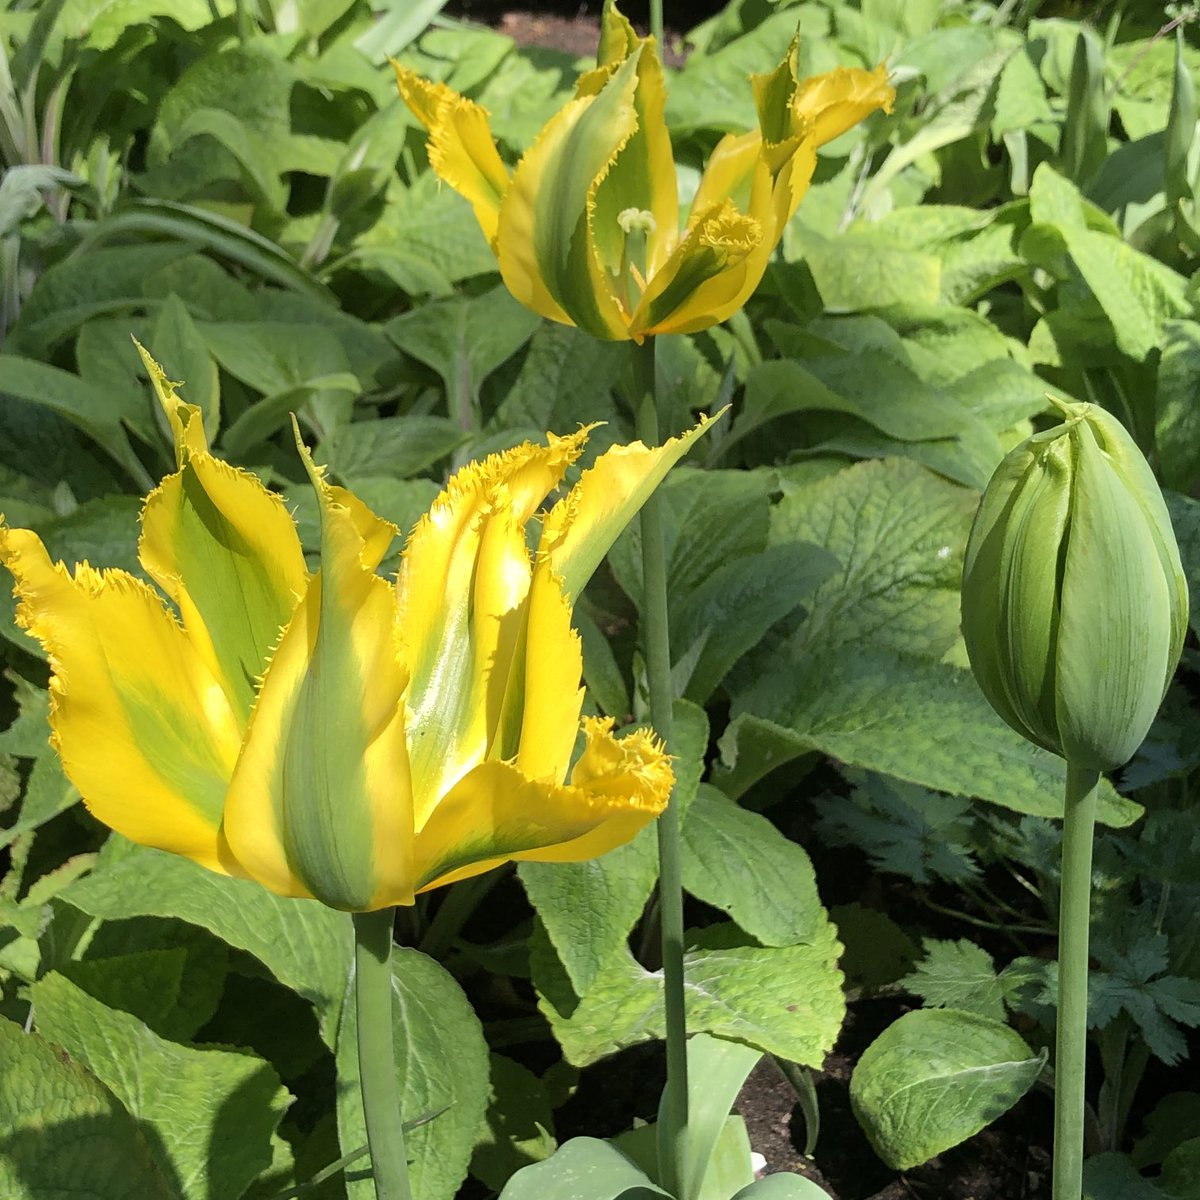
[(238, 187)]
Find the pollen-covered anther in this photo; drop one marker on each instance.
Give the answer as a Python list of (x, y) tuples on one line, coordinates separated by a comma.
[(636, 220)]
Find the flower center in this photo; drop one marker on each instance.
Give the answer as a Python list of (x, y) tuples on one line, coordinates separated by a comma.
[(637, 224)]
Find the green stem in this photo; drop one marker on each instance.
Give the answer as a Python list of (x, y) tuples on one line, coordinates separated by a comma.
[(1073, 921), (672, 1132), (656, 23), (376, 1053), (243, 20)]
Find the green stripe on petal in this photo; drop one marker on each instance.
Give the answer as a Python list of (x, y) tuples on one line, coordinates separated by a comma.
[(545, 247), (224, 549), (143, 727), (320, 802)]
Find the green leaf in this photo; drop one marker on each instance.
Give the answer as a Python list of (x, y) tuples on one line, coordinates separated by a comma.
[(783, 1000), (566, 380), (1185, 518), (1112, 1177), (589, 908), (63, 1131), (732, 610), (389, 446), (305, 945), (899, 532), (1181, 1171), (583, 1169), (855, 271), (442, 1064), (212, 1112), (737, 861), (93, 410), (520, 1123), (783, 1186), (958, 975), (921, 721), (1176, 414), (936, 1077)]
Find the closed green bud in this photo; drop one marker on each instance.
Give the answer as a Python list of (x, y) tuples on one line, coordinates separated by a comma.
[(1074, 602)]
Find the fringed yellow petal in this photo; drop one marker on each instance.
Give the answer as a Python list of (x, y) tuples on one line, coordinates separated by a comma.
[(712, 273), (456, 628), (546, 242), (144, 729), (729, 174), (579, 530), (462, 150), (224, 549), (320, 803), (840, 99), (495, 814), (551, 691)]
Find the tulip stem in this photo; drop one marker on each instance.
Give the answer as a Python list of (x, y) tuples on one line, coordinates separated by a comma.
[(656, 23), (1074, 915), (672, 1129), (376, 1053)]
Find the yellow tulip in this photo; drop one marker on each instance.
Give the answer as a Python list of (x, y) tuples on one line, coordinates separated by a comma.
[(586, 228), (332, 734)]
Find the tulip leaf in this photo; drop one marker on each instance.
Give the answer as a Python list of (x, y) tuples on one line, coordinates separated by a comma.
[(783, 1000), (306, 946), (442, 1064), (178, 347), (921, 721), (589, 908), (583, 1169), (211, 1113), (936, 1077), (740, 863), (783, 1186), (63, 1131)]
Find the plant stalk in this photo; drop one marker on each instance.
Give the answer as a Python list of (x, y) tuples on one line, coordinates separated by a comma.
[(672, 1129), (656, 23), (377, 1055), (1079, 821)]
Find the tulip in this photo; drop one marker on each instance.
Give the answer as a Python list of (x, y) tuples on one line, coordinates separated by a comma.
[(331, 734), (586, 228), (1074, 600)]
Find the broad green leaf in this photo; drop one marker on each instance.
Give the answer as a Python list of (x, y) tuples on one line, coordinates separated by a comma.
[(464, 341), (273, 356), (63, 1132), (783, 1000), (398, 24), (93, 410), (1173, 1121), (520, 1123), (958, 975), (442, 1064), (1111, 1176), (48, 792), (936, 1077), (739, 862), (863, 270), (305, 945), (395, 446), (732, 610), (1185, 518), (190, 963), (212, 1112), (1181, 1171), (589, 908), (566, 380), (783, 1186), (921, 721), (85, 285), (583, 1169), (899, 533), (1176, 414)]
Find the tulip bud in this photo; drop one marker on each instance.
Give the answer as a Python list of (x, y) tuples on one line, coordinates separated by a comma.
[(1074, 601)]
